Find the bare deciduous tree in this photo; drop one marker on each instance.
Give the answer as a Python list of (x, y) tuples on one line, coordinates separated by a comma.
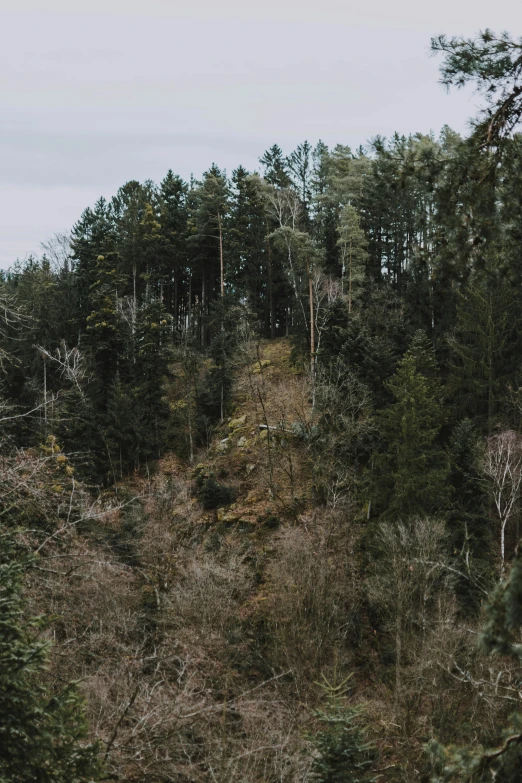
[(502, 467), (405, 583), (70, 361)]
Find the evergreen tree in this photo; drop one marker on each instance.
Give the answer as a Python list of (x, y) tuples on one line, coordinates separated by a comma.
[(91, 237), (129, 209), (468, 520), (254, 273), (299, 164), (371, 340), (107, 331), (493, 63), (275, 167), (343, 755), (411, 470), (149, 373), (208, 209), (174, 262), (43, 734), (352, 246), (122, 428), (485, 347)]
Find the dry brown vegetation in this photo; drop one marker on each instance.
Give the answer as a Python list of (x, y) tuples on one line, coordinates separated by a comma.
[(199, 637)]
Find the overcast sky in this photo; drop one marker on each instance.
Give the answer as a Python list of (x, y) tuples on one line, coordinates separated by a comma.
[(94, 93)]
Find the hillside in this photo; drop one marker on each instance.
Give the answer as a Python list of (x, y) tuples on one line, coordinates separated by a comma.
[(261, 467), (200, 636)]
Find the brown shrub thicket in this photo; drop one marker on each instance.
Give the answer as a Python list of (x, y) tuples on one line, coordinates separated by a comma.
[(199, 644)]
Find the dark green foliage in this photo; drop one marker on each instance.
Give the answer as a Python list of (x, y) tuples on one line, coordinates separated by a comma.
[(229, 322), (485, 346), (211, 493), (493, 63), (275, 167), (468, 518), (342, 752), (344, 436), (411, 470), (149, 372), (254, 270), (42, 733), (370, 340)]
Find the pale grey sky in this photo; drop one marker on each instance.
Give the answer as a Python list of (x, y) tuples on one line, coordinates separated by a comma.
[(96, 92)]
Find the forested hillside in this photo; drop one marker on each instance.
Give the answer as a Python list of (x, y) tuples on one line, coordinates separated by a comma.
[(261, 447)]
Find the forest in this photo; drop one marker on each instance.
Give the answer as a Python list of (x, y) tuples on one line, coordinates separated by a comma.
[(261, 467)]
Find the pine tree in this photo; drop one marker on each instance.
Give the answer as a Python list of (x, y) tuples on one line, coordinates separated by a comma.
[(106, 330), (275, 167), (412, 470), (342, 753), (208, 209), (494, 64), (468, 519), (173, 261), (299, 164), (43, 734), (485, 345), (148, 376), (352, 246), (122, 428), (129, 208), (254, 273)]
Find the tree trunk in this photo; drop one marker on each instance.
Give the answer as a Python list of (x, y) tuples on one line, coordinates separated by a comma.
[(350, 278), (502, 547), (203, 302), (176, 305), (221, 261), (271, 308), (398, 665), (45, 390), (312, 330)]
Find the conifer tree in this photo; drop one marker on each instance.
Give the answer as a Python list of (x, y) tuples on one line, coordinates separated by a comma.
[(91, 237), (254, 272), (299, 164), (129, 208), (149, 373), (493, 63), (106, 330), (412, 470), (468, 520), (174, 263), (485, 345), (122, 428), (43, 734), (208, 209), (275, 167), (352, 246), (343, 754)]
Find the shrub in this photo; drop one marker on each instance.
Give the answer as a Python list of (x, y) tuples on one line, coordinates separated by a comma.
[(210, 492)]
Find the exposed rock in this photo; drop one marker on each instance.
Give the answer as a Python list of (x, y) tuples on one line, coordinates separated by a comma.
[(223, 446), (235, 424), (242, 442)]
